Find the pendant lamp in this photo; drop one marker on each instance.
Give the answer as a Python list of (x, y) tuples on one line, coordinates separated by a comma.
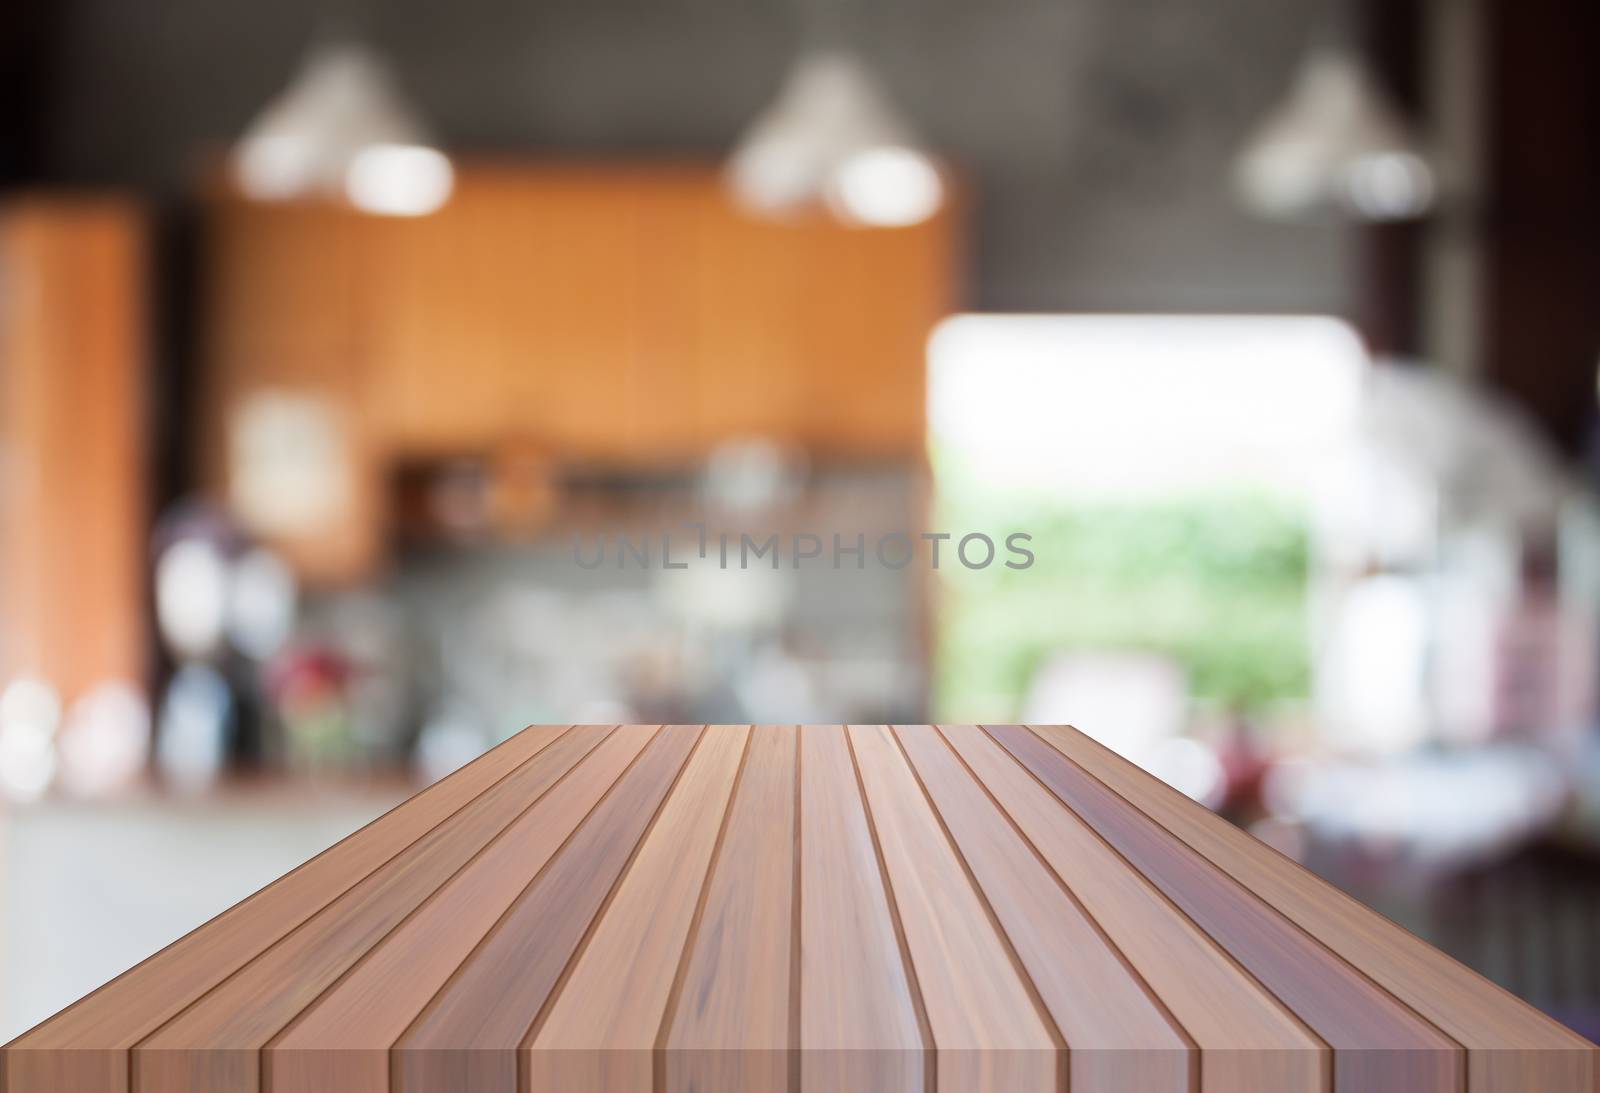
[(341, 129), (833, 138), (1337, 143)]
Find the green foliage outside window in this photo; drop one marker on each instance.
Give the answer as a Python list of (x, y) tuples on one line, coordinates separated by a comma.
[(1216, 582)]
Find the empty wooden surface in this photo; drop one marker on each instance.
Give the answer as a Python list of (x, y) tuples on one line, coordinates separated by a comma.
[(754, 909)]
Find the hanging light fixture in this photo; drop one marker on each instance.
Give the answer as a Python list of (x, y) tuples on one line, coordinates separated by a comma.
[(341, 129), (1336, 143), (833, 137)]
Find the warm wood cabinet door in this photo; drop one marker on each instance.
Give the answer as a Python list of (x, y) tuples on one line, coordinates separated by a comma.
[(548, 300), (73, 377)]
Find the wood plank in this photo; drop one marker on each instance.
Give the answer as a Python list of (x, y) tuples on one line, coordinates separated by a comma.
[(1510, 1045), (859, 1026), (85, 1047), (730, 1029), (1118, 1037), (988, 1034), (216, 1043), (601, 1032), (342, 1040), (708, 909), (1377, 1042), (74, 349), (467, 1037), (1249, 1043), (842, 339)]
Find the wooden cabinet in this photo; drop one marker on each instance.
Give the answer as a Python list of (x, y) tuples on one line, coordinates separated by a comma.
[(619, 315), (288, 297), (72, 491)]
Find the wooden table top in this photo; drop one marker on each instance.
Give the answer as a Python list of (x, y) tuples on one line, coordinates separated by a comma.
[(740, 909)]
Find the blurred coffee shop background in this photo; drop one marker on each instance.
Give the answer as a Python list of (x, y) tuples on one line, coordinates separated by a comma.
[(325, 329)]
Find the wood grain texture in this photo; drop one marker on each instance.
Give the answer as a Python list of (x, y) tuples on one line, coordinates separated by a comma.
[(988, 1034), (342, 1040), (1510, 1045), (780, 909), (601, 1032), (1377, 1042), (217, 1041), (860, 1026), (730, 1025), (1248, 1041), (467, 1037), (86, 1046), (1117, 1035)]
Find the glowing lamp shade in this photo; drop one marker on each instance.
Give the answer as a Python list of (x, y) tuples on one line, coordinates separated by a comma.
[(276, 166), (399, 180), (341, 129), (1336, 143), (832, 137), (886, 187)]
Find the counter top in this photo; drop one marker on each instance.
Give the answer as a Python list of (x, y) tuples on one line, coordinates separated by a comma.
[(817, 908)]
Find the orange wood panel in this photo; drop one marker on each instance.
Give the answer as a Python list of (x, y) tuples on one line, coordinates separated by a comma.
[(289, 304), (657, 409), (623, 314), (739, 909), (435, 347), (868, 300), (752, 373), (73, 525), (572, 259)]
